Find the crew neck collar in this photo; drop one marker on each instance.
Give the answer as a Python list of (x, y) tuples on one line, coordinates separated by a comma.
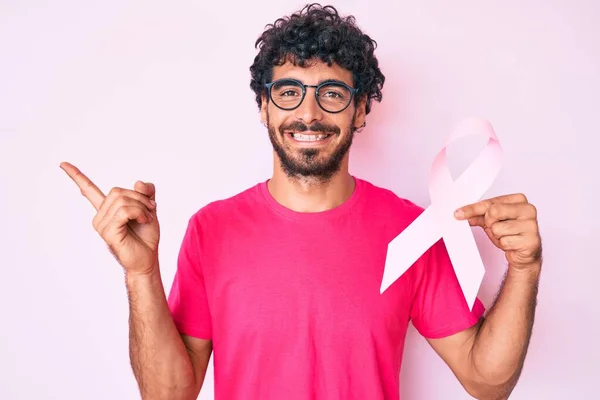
[(311, 216)]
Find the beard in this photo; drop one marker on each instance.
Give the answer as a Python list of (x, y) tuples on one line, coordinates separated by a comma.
[(311, 164)]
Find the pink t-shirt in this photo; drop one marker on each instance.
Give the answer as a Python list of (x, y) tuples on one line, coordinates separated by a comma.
[(291, 300)]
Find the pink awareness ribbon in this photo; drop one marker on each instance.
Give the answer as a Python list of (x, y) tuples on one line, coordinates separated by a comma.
[(438, 221)]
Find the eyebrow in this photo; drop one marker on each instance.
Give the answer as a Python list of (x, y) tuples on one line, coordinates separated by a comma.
[(329, 80)]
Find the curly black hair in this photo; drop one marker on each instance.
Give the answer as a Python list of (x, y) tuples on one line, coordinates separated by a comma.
[(318, 32)]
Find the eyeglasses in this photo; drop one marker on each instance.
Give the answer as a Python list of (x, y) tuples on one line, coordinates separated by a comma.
[(332, 96)]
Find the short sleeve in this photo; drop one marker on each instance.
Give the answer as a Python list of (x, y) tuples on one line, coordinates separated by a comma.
[(187, 298), (439, 307)]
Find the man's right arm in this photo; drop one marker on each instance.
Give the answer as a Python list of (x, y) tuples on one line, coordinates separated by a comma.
[(166, 365)]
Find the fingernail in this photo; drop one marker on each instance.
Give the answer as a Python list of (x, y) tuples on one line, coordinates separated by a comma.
[(459, 213)]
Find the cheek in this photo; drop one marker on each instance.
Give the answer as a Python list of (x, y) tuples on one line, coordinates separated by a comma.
[(274, 117), (346, 119)]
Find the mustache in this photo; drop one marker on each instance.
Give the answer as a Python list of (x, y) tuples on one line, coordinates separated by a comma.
[(300, 126)]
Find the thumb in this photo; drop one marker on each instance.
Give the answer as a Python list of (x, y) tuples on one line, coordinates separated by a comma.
[(146, 188)]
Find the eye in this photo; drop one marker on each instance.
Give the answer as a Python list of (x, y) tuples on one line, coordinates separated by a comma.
[(332, 94), (287, 89), (289, 93)]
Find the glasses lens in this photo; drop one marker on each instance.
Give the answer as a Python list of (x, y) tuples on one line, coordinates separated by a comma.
[(334, 97), (286, 94)]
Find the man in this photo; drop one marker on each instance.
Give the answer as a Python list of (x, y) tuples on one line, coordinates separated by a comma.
[(282, 280)]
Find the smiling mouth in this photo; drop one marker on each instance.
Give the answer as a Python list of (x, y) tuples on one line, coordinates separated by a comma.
[(302, 137)]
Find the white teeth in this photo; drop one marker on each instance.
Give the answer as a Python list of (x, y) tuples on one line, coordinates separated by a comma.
[(309, 138)]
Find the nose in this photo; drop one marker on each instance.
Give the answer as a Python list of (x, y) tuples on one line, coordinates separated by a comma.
[(309, 110)]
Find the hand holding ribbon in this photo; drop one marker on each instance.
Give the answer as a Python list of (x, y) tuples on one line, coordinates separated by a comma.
[(510, 222)]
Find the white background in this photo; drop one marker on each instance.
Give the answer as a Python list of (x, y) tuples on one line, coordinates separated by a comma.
[(159, 91)]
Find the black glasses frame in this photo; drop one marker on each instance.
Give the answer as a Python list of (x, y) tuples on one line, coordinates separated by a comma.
[(316, 87)]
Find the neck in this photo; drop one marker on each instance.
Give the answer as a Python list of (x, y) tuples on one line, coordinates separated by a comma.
[(311, 195)]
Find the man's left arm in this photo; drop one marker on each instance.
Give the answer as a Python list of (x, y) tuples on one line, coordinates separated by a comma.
[(488, 357)]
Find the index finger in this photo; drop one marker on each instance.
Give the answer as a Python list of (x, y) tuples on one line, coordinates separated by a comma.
[(88, 189), (481, 207)]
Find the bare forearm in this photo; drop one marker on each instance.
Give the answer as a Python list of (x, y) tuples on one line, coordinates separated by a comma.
[(160, 361), (501, 344)]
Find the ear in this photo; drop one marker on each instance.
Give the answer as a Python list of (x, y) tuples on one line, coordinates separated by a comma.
[(263, 109), (361, 111)]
